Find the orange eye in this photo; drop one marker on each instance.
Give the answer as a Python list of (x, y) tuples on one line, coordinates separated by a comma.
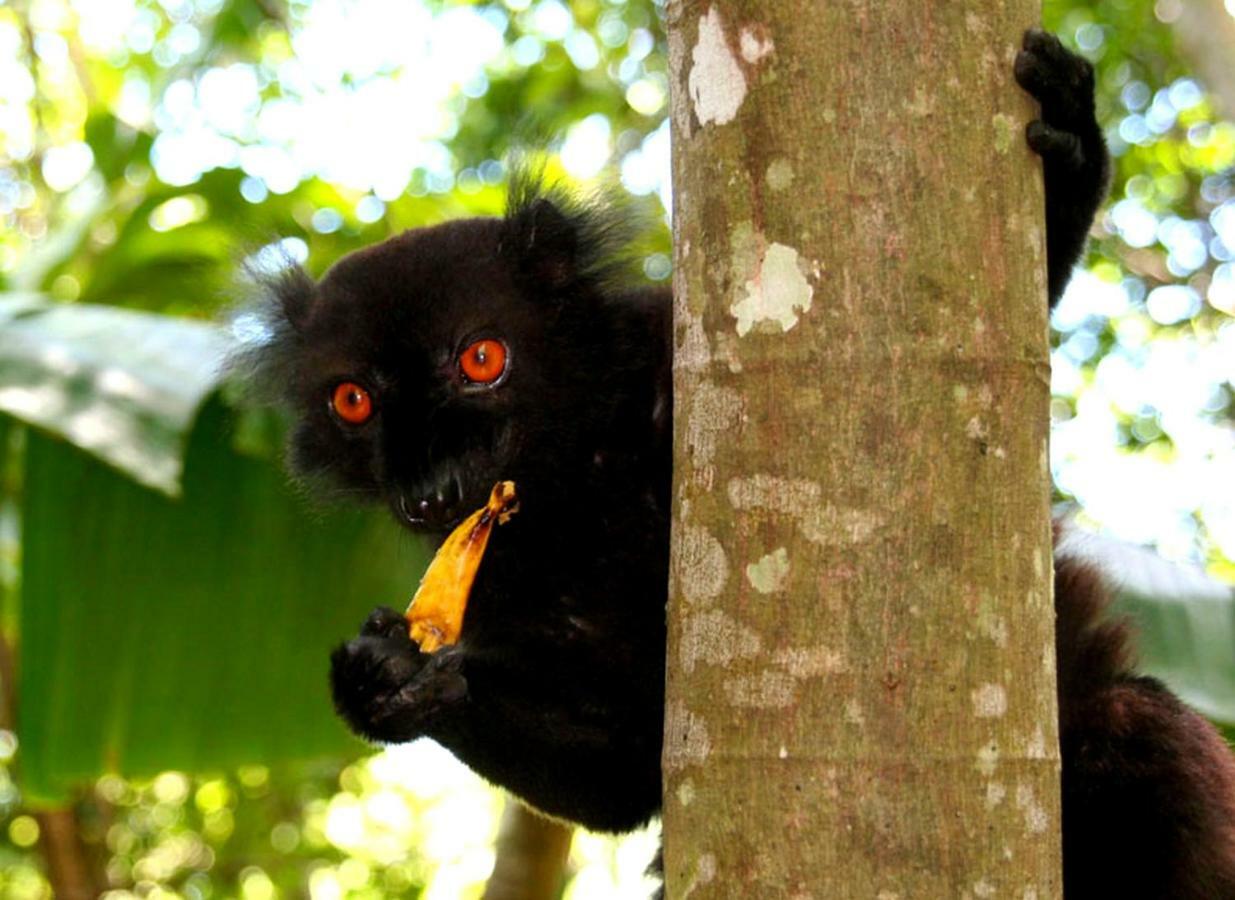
[(352, 403), (483, 362)]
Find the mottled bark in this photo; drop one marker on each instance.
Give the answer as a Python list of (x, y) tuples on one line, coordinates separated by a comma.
[(861, 668), (531, 856)]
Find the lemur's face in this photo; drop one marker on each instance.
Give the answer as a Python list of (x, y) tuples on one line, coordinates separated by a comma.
[(426, 368)]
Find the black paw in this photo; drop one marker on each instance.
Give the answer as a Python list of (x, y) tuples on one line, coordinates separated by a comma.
[(1068, 138), (1059, 80), (384, 622), (386, 689)]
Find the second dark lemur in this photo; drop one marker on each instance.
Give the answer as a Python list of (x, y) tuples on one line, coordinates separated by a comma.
[(428, 367)]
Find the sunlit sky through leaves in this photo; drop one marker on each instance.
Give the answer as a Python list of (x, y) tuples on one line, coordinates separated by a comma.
[(369, 92)]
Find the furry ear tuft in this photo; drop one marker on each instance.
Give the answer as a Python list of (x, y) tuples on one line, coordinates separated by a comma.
[(292, 290), (562, 239), (268, 328)]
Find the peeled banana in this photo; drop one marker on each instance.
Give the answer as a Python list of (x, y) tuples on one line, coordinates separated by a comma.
[(435, 615)]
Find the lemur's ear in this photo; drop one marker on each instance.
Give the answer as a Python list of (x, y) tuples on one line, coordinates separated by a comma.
[(544, 241), (269, 331), (289, 295), (562, 239)]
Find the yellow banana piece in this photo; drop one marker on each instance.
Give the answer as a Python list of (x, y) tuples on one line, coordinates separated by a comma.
[(435, 615)]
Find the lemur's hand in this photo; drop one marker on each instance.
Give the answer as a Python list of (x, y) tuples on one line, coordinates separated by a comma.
[(385, 688), (1069, 140)]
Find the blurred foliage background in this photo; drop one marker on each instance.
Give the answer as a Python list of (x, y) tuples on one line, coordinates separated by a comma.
[(168, 600)]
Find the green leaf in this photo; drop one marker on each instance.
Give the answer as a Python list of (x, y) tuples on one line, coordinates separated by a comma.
[(1185, 623), (121, 384), (189, 633)]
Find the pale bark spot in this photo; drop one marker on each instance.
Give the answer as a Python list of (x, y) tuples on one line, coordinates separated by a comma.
[(778, 294), (853, 713), (701, 568), (714, 410), (990, 701), (686, 792), (762, 690), (713, 637), (727, 350), (983, 888), (780, 174), (1036, 748), (810, 662), (678, 105), (1036, 819), (826, 525), (686, 739), (995, 792), (755, 43), (992, 625), (801, 500), (705, 873), (921, 105), (1007, 132), (692, 350), (770, 574), (988, 759), (716, 84), (786, 496)]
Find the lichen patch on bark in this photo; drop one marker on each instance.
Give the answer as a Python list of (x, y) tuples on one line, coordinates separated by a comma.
[(701, 568), (810, 662), (715, 637), (776, 296), (1036, 818), (716, 84), (822, 524), (990, 701), (770, 573), (761, 690), (780, 174), (686, 738), (755, 43)]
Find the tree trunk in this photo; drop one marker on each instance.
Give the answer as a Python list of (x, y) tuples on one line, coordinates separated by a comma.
[(532, 851), (861, 665)]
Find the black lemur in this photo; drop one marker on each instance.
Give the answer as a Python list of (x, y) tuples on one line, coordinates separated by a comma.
[(428, 367)]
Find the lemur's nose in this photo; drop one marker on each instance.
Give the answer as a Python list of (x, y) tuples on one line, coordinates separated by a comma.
[(435, 509)]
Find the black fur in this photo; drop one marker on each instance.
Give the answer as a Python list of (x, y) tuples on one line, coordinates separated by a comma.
[(556, 689), (1148, 785), (1067, 136)]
